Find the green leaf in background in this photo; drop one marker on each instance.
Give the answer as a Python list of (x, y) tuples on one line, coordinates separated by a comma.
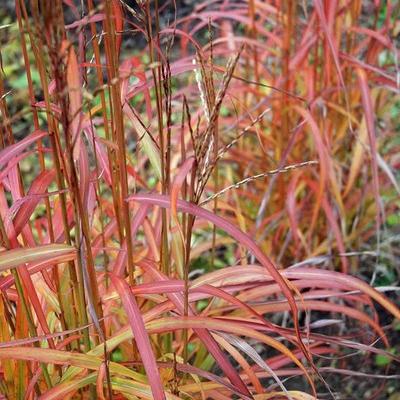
[(381, 360), (393, 220), (117, 356)]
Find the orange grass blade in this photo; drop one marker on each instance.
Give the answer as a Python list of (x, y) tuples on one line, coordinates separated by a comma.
[(51, 253)]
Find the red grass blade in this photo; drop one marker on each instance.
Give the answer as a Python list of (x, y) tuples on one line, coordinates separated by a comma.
[(142, 339), (15, 149), (38, 187), (75, 99), (119, 23)]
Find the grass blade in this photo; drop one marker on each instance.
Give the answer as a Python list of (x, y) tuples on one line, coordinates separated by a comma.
[(142, 339)]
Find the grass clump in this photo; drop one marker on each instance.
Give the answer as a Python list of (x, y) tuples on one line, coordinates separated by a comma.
[(198, 203)]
